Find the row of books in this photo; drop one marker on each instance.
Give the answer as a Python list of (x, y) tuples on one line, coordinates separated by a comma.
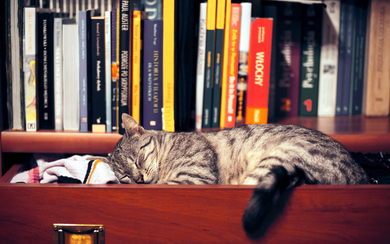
[(320, 63), (82, 71)]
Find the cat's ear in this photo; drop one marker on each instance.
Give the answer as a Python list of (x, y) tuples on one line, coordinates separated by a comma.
[(131, 125)]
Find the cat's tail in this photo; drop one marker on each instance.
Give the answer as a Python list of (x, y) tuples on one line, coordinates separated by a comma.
[(272, 182)]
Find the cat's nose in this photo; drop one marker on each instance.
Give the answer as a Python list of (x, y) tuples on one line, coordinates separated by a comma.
[(140, 180)]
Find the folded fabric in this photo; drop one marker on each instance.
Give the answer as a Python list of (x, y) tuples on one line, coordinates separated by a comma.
[(76, 167)]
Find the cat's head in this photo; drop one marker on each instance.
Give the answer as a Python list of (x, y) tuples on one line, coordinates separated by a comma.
[(147, 164)]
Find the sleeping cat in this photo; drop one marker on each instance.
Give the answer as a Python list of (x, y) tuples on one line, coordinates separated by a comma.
[(273, 157)]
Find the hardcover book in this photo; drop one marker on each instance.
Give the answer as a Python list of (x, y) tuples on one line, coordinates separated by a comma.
[(115, 69), (310, 59), (288, 59), (107, 63), (58, 86), (341, 59), (329, 59), (259, 71)]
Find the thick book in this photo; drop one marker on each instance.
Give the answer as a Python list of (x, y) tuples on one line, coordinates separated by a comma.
[(45, 70), (231, 86), (29, 68), (84, 62), (152, 72), (71, 76), (169, 65), (107, 63), (200, 65), (259, 71), (358, 49), (243, 62), (225, 64), (209, 65), (124, 63), (218, 57), (376, 99), (115, 69), (329, 59), (310, 59), (58, 82), (288, 59), (98, 75), (136, 66)]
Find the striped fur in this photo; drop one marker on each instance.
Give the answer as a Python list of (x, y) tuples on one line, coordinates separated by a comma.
[(273, 157)]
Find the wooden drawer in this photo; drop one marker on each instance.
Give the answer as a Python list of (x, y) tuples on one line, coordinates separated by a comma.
[(192, 214)]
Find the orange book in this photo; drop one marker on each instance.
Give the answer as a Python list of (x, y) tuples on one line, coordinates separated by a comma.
[(136, 65), (259, 71), (231, 82)]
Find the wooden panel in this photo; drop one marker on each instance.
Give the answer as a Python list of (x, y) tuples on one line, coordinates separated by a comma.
[(196, 214)]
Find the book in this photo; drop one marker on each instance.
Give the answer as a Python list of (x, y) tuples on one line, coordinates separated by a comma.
[(329, 59), (107, 63), (29, 68), (259, 71), (114, 69), (288, 59), (136, 66), (358, 60), (84, 62), (152, 67), (234, 43), (376, 98), (45, 70), (341, 58), (58, 82), (310, 59), (218, 57), (71, 77), (243, 63), (124, 63), (209, 65), (97, 85), (169, 65), (153, 9), (225, 63), (200, 65)]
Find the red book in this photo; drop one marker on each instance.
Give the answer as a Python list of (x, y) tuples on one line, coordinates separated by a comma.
[(259, 71), (234, 41)]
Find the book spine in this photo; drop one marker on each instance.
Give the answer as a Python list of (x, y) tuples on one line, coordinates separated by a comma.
[(152, 80), (349, 31), (200, 65), (45, 99), (288, 59), (310, 59), (107, 49), (98, 91), (376, 99), (169, 65), (234, 43), (341, 59), (243, 59), (259, 71), (225, 64), (29, 63), (209, 65), (136, 63), (114, 70), (84, 17), (219, 35), (356, 94), (124, 57), (329, 59), (58, 73)]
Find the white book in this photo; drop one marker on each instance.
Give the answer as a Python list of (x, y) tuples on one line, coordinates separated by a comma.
[(57, 45), (200, 65), (107, 46), (71, 77), (29, 68), (329, 59)]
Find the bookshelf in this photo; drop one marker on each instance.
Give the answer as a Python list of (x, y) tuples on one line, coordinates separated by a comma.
[(314, 213)]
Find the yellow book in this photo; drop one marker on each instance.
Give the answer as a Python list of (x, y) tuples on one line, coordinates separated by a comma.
[(168, 65), (225, 63), (136, 65)]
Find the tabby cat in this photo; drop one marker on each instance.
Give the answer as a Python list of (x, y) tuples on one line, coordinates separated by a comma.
[(273, 157)]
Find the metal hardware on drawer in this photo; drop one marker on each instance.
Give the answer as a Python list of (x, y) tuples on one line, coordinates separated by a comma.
[(78, 233)]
